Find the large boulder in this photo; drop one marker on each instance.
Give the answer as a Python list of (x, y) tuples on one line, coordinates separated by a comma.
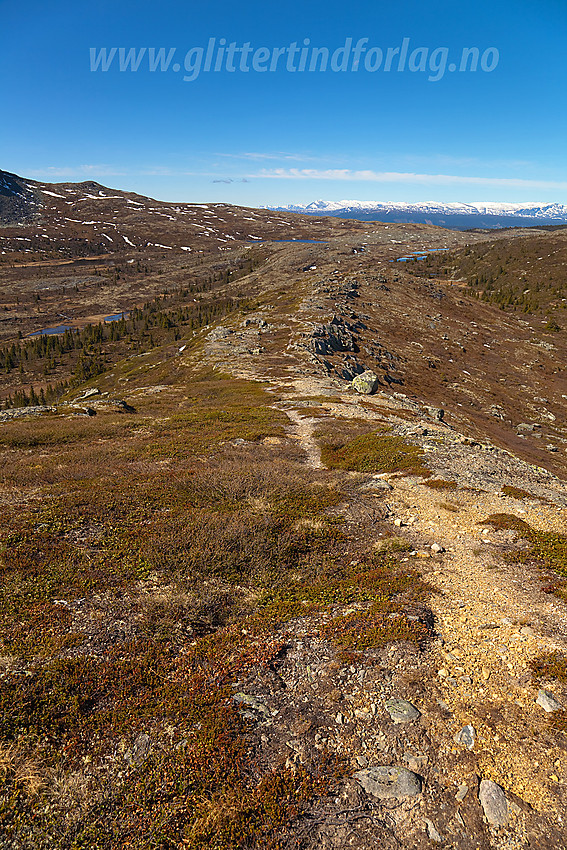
[(366, 383), (336, 335)]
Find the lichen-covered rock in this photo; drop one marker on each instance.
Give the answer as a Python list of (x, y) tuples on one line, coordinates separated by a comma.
[(466, 736), (366, 383), (337, 335), (389, 782), (253, 703), (16, 412), (494, 803), (402, 711), (547, 701)]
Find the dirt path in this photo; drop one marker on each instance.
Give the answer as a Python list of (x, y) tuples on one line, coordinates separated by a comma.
[(303, 428), (492, 619)]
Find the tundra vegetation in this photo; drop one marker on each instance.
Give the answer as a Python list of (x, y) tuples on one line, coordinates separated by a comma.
[(157, 557)]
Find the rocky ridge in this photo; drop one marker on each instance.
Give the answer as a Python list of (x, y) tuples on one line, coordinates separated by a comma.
[(452, 746), (447, 740)]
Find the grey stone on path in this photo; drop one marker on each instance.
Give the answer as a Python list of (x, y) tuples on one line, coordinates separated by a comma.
[(389, 782), (402, 711), (466, 736), (494, 803), (377, 484), (366, 383), (547, 701), (432, 832)]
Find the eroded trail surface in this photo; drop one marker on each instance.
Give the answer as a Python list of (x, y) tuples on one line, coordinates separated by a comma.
[(303, 433), (491, 756), (492, 619), (480, 718)]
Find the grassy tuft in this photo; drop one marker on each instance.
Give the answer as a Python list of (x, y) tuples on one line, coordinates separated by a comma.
[(441, 484), (547, 550), (505, 522), (550, 666), (520, 493), (376, 452)]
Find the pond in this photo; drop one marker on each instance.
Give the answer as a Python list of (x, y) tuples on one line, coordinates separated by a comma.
[(279, 241), (419, 255), (59, 329), (116, 317)]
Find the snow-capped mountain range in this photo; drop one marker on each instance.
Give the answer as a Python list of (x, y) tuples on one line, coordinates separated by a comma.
[(458, 216)]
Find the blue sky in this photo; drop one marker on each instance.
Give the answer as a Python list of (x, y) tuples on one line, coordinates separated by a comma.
[(260, 137)]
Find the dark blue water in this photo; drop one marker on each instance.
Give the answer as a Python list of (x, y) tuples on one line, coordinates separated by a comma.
[(47, 331), (116, 317), (419, 255), (59, 329), (277, 241)]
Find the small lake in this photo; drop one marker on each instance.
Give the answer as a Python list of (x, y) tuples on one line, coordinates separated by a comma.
[(419, 255), (279, 241), (116, 317), (59, 329)]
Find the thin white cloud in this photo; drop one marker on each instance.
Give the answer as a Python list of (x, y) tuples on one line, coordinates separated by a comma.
[(278, 155), (76, 171), (415, 160), (165, 171), (442, 160), (159, 171), (345, 174)]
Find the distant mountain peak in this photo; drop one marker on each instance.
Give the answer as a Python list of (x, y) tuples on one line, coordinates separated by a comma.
[(456, 215)]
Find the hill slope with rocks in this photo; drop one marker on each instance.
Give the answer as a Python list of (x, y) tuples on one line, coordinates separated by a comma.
[(58, 220), (283, 541)]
